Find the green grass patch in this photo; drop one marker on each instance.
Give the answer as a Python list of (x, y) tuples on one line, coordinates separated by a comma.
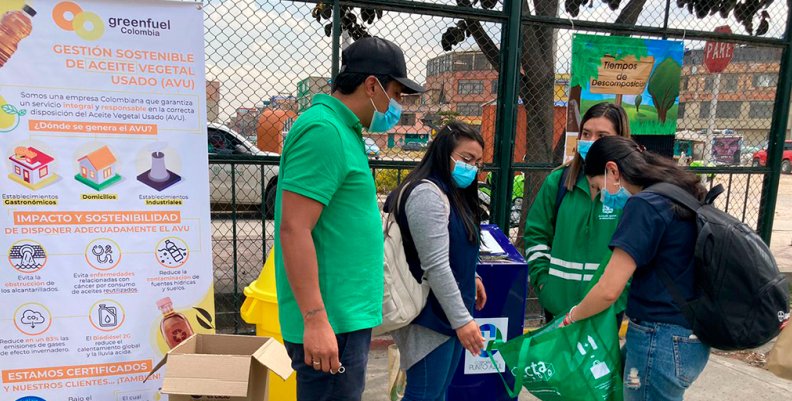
[(100, 187), (645, 120)]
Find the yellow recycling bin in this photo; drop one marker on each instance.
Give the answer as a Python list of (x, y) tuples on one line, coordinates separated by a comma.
[(261, 308)]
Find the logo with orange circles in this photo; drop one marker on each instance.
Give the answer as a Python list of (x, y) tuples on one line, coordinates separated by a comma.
[(69, 16)]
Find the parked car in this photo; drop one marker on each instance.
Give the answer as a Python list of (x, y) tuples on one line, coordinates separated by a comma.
[(248, 177), (760, 158), (372, 150), (413, 146)]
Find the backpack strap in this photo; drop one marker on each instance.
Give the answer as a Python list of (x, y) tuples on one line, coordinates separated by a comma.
[(676, 194), (562, 191), (676, 294)]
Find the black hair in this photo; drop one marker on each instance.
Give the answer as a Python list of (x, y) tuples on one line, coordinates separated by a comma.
[(348, 82), (616, 115), (436, 163), (639, 166)]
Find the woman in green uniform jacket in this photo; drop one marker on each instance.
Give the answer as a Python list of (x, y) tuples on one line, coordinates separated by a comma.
[(566, 242)]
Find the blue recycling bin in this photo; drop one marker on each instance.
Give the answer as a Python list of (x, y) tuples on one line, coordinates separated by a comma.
[(505, 275)]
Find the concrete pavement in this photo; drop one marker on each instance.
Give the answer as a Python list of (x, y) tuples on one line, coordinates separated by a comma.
[(723, 379)]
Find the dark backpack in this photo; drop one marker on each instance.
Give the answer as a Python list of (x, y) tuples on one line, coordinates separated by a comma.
[(743, 299)]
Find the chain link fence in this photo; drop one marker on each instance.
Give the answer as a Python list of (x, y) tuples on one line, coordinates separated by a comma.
[(266, 59)]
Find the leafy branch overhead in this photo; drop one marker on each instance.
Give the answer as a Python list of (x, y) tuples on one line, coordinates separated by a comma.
[(350, 22), (744, 12)]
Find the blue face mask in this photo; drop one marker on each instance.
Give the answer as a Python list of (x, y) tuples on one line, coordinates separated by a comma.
[(383, 122), (583, 147), (614, 201), (463, 173)]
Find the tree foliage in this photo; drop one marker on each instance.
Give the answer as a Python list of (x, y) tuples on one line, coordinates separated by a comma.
[(663, 86)]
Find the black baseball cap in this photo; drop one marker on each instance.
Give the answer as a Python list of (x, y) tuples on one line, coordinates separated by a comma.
[(377, 56)]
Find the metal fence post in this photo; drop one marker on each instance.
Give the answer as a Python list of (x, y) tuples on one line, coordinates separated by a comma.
[(506, 114), (336, 62), (775, 146)]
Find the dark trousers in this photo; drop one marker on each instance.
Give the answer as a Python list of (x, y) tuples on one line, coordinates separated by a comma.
[(313, 385)]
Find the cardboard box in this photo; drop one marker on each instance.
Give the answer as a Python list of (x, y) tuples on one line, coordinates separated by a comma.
[(223, 367)]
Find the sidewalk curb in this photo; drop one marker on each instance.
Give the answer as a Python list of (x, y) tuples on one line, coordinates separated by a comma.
[(381, 342)]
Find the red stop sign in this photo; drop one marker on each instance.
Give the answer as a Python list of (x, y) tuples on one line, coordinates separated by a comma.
[(717, 55)]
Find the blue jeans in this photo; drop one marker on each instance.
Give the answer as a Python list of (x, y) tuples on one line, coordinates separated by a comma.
[(429, 379), (313, 385), (663, 360)]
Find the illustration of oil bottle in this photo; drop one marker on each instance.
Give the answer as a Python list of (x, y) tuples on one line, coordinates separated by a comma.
[(108, 316), (14, 26), (174, 327)]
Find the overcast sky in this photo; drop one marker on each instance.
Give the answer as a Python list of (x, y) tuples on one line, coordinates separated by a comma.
[(262, 48)]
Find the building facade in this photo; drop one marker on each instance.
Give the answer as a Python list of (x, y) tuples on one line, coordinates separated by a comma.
[(212, 101), (746, 93), (307, 88)]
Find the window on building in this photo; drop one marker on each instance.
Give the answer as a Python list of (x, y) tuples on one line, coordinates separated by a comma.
[(84, 172), (106, 173), (761, 110), (684, 82), (93, 174), (481, 63), (681, 110), (463, 62), (728, 110), (469, 109), (43, 172), (494, 89), (765, 80), (729, 83), (470, 87), (407, 119), (709, 82), (432, 67), (704, 110), (17, 170), (445, 64)]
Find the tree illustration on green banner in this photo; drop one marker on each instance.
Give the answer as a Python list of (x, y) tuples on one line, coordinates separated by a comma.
[(664, 86), (641, 75)]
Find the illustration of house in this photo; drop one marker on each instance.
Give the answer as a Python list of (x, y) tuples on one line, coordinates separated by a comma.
[(97, 169), (31, 167)]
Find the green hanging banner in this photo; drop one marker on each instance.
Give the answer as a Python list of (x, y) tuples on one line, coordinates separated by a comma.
[(641, 75)]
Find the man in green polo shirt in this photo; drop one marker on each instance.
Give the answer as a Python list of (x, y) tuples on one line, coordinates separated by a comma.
[(328, 229)]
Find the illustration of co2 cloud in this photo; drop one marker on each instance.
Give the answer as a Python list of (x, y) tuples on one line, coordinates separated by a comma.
[(32, 319)]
